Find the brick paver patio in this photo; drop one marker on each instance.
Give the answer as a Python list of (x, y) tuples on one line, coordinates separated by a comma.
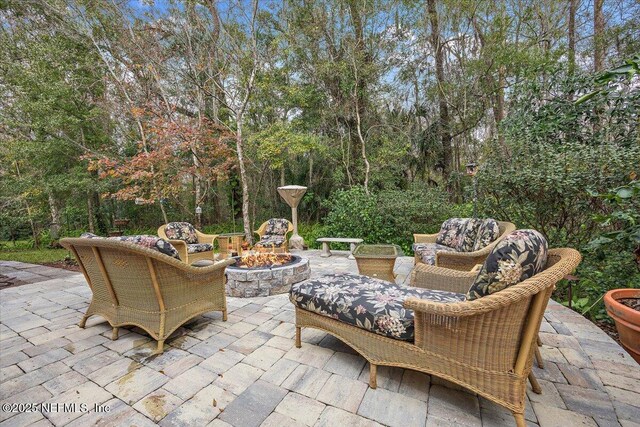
[(246, 371)]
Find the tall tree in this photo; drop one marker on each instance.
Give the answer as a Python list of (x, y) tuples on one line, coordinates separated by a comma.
[(599, 45), (444, 121)]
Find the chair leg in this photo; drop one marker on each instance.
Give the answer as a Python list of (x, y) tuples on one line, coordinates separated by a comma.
[(114, 334), (520, 422), (373, 375), (535, 386), (224, 315), (539, 358), (160, 346), (298, 343), (83, 321)]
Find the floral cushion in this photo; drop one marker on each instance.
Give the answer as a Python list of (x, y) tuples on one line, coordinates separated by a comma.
[(517, 257), (199, 247), (427, 251), (488, 232), (150, 242), (270, 241), (277, 227), (181, 231), (469, 234), (371, 304), (452, 232)]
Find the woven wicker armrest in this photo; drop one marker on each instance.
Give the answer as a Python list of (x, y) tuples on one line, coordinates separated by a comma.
[(463, 261), (425, 238), (206, 238), (443, 279), (476, 307)]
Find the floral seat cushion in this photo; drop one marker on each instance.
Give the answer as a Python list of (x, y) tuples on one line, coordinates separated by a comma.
[(517, 257), (151, 242), (427, 251), (199, 247), (371, 304), (268, 241), (181, 231), (277, 227)]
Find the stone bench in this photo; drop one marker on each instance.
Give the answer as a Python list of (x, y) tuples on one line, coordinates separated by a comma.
[(326, 252)]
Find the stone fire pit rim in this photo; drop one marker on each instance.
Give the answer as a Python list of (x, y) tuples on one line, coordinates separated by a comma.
[(295, 259)]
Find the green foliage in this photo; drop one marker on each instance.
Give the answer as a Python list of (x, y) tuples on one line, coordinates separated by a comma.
[(389, 216), (557, 154)]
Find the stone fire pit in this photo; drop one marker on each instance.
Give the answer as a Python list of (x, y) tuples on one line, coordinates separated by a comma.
[(264, 281)]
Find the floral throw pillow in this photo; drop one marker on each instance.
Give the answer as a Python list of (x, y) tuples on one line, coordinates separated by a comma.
[(150, 242), (181, 231), (452, 232), (277, 227), (517, 257)]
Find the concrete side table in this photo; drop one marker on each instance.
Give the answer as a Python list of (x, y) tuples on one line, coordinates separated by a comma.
[(326, 251)]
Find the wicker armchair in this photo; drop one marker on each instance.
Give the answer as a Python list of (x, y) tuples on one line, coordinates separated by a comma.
[(277, 243), (190, 253), (485, 345), (463, 261), (133, 285)]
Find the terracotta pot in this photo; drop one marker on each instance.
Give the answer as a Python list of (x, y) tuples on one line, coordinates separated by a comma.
[(627, 319)]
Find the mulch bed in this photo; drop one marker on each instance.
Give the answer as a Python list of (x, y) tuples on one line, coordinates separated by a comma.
[(67, 264)]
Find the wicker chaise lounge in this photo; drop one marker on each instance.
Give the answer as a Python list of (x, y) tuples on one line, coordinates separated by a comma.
[(134, 285), (461, 244), (485, 344)]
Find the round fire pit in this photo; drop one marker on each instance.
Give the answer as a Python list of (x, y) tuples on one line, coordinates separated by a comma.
[(262, 281)]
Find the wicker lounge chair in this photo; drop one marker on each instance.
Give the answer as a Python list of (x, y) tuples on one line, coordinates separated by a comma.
[(134, 285), (485, 345), (273, 236), (457, 258), (191, 244)]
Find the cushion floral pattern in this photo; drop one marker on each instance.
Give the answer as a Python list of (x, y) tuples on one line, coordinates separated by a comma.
[(517, 257), (181, 231), (269, 241), (469, 233), (277, 227), (365, 302), (427, 251), (488, 232), (150, 242), (452, 232), (199, 247)]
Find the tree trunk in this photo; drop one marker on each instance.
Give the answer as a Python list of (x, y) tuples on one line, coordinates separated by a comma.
[(572, 35), (91, 213), (598, 36), (243, 182), (445, 132), (54, 228), (34, 232)]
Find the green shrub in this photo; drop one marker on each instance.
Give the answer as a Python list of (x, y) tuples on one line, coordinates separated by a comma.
[(389, 216)]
